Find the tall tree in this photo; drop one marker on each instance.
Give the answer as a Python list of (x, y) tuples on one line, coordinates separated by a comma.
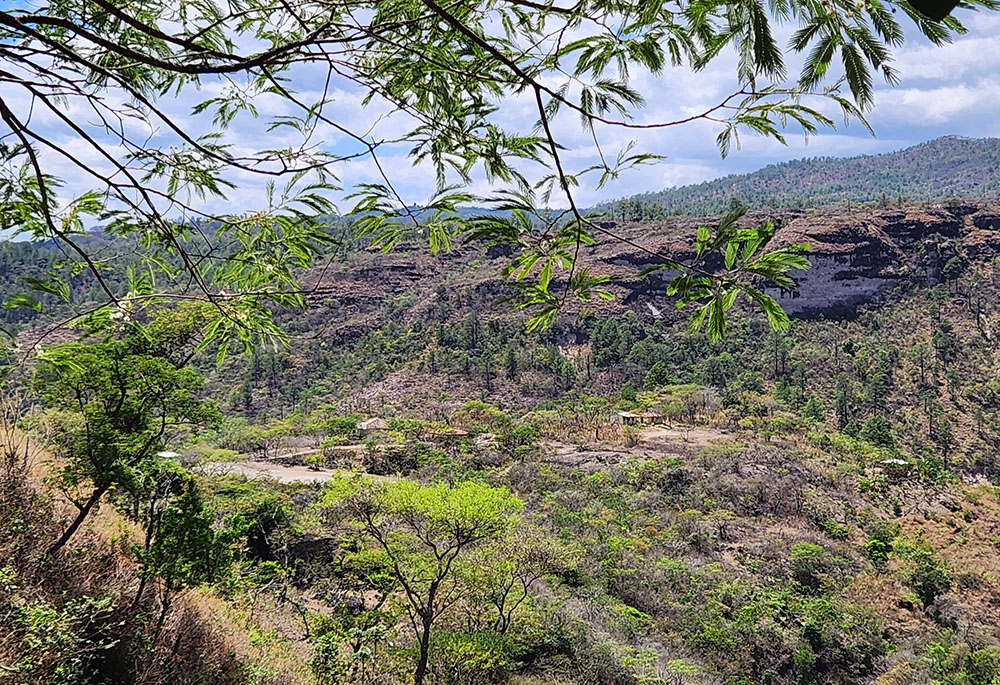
[(114, 406), (843, 399), (186, 550)]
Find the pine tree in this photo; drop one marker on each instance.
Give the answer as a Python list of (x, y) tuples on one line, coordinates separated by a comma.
[(814, 409), (656, 377), (878, 431)]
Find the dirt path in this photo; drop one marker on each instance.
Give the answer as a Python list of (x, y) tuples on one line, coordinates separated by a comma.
[(654, 441), (266, 470), (270, 471), (346, 449), (697, 436)]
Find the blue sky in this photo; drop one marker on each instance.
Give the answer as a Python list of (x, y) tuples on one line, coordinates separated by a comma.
[(953, 89)]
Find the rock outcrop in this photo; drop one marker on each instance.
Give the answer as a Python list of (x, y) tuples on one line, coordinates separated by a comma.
[(859, 257)]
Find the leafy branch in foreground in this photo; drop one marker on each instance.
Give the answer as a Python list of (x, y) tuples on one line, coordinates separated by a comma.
[(746, 264), (199, 205), (729, 261)]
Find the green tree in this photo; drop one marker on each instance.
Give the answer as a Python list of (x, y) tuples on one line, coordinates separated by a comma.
[(928, 578), (952, 268), (629, 392), (510, 362), (814, 409), (719, 370), (919, 355), (186, 550), (115, 406), (657, 377), (876, 392), (944, 341), (878, 431), (809, 562), (843, 400), (944, 437), (422, 533)]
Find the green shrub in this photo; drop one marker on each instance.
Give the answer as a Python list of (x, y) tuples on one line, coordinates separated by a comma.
[(809, 562), (982, 667), (877, 431), (804, 661), (880, 543), (472, 658), (835, 529), (315, 461), (928, 579), (814, 410), (341, 425)]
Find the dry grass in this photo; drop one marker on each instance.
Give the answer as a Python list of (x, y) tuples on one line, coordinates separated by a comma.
[(205, 640)]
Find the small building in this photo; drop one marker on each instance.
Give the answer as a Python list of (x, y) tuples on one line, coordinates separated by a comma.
[(648, 418), (372, 425), (627, 418), (896, 468)]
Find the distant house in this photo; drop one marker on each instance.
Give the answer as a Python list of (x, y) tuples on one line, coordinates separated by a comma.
[(627, 418), (372, 425), (896, 468), (650, 417)]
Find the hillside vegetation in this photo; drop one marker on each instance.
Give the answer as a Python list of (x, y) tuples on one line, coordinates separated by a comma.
[(808, 507), (949, 167)]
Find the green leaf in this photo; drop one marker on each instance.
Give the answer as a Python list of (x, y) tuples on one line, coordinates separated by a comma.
[(23, 301)]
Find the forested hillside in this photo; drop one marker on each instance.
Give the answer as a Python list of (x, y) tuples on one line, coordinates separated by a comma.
[(281, 405), (418, 488), (949, 167)]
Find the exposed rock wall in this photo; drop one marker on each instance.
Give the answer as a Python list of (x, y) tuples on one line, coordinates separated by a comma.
[(861, 259), (857, 257)]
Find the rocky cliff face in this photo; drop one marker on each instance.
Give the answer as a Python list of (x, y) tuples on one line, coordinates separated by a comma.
[(858, 258)]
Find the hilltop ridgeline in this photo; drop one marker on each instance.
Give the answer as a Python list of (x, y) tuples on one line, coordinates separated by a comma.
[(947, 167)]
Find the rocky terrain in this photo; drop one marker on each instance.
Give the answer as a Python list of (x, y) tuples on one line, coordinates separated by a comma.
[(858, 257)]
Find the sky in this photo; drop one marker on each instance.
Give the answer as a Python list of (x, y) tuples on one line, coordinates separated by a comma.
[(949, 90)]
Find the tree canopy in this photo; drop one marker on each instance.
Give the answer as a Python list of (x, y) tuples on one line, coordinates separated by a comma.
[(114, 405), (419, 533), (115, 79)]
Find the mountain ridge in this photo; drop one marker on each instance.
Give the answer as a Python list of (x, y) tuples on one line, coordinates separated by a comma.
[(939, 169)]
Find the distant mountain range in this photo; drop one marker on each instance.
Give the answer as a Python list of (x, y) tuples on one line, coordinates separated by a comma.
[(948, 167)]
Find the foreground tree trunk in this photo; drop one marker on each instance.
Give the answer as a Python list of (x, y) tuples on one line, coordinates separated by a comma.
[(84, 512), (425, 648)]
